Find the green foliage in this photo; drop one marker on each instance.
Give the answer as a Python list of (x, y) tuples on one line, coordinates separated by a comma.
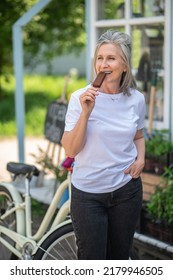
[(159, 144), (160, 206), (39, 92), (57, 29), (38, 208), (10, 12)]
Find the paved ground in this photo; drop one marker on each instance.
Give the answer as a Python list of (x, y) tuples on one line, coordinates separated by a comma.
[(9, 152)]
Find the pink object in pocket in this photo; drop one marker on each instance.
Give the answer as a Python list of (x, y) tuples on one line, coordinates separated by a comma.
[(67, 163)]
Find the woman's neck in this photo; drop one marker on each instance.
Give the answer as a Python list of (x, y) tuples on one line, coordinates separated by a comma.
[(110, 89)]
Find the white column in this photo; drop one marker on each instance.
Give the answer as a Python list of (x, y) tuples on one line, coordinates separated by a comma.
[(18, 71)]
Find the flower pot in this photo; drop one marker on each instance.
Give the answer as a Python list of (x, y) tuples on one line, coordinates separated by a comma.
[(169, 158), (155, 229), (158, 168), (160, 232), (149, 165)]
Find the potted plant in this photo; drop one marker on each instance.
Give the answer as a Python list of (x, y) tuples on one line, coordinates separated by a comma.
[(158, 147), (159, 209), (48, 165)]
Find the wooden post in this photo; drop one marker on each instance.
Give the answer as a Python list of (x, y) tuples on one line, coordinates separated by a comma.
[(151, 109), (152, 103)]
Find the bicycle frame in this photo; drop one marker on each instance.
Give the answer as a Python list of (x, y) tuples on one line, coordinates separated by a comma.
[(22, 208)]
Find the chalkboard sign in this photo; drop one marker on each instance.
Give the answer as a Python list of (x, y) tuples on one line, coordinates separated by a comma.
[(55, 121)]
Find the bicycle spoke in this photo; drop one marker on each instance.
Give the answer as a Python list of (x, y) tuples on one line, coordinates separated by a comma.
[(60, 245), (6, 203)]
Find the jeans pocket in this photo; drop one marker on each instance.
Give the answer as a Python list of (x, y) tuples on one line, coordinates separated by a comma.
[(131, 190)]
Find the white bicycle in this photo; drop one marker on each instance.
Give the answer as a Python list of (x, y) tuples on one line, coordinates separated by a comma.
[(54, 239)]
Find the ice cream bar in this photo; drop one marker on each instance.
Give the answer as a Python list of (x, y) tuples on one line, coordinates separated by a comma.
[(99, 79)]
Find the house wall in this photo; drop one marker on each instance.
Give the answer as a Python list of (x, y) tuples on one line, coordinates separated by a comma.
[(61, 65)]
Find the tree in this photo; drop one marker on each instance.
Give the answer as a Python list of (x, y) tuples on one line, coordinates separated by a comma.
[(58, 29), (10, 11)]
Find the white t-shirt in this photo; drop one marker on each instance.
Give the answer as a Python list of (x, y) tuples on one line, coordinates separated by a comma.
[(109, 147)]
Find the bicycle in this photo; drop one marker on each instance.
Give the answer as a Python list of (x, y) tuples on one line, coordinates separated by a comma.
[(54, 238)]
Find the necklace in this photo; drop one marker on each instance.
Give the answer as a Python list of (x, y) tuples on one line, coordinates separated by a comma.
[(115, 97), (111, 96)]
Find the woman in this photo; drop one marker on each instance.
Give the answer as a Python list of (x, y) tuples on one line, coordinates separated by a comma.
[(103, 133)]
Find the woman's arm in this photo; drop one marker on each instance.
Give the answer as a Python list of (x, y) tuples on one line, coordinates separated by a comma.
[(136, 168), (140, 145), (73, 141)]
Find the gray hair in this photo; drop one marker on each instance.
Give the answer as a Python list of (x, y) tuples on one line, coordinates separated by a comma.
[(123, 41)]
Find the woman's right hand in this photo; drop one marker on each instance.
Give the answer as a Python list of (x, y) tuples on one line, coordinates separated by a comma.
[(87, 100)]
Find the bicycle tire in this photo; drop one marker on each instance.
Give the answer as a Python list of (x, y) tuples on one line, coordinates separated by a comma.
[(60, 245), (6, 202)]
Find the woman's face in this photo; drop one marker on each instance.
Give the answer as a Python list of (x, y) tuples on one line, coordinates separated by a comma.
[(109, 58)]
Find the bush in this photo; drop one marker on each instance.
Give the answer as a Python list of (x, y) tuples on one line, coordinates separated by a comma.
[(158, 148), (159, 144), (160, 206)]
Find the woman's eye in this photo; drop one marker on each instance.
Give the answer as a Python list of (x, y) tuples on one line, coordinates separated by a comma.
[(107, 59)]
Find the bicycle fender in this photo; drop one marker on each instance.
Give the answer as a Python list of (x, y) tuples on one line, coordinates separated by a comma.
[(17, 198)]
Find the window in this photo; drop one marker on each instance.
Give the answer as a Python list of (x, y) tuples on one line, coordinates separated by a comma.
[(147, 8), (148, 63)]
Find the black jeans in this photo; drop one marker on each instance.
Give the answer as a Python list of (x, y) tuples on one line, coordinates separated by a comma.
[(104, 224)]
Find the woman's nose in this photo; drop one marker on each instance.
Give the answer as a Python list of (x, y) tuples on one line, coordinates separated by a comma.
[(104, 62)]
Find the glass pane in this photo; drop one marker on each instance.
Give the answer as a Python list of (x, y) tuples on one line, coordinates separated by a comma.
[(110, 9), (148, 65), (147, 8)]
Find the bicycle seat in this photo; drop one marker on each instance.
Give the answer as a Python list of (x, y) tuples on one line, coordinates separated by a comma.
[(22, 168)]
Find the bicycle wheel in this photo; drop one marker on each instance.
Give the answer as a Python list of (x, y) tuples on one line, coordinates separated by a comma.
[(60, 245), (6, 203)]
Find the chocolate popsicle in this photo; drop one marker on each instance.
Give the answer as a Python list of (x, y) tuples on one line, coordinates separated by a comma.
[(99, 79)]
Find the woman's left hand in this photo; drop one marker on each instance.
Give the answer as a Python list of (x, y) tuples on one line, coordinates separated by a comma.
[(135, 169)]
